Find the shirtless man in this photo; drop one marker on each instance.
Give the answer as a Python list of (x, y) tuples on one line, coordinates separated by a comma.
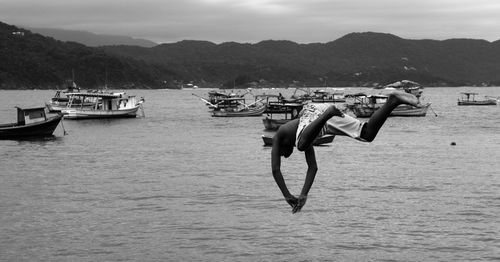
[(318, 119)]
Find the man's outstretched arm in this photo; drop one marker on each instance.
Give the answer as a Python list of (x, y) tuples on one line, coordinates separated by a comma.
[(312, 168), (278, 177)]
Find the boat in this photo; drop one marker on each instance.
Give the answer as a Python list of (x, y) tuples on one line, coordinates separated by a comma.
[(319, 141), (60, 99), (236, 107), (218, 100), (58, 103), (407, 86), (31, 123), (411, 111), (288, 112), (365, 105), (322, 96), (469, 99), (279, 113), (105, 105)]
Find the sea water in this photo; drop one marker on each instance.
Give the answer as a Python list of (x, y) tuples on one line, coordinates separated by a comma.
[(180, 185)]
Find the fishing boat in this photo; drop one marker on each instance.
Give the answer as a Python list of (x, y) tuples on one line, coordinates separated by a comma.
[(31, 123), (365, 105), (60, 99), (105, 105), (469, 99), (58, 103), (236, 107), (319, 141), (411, 111), (322, 96), (278, 114), (218, 100), (407, 86)]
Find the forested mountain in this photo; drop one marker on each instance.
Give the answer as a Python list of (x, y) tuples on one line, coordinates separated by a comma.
[(362, 59), (91, 39), (29, 60)]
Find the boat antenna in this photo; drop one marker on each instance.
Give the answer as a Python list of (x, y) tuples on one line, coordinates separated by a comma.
[(433, 111), (106, 78), (62, 125)]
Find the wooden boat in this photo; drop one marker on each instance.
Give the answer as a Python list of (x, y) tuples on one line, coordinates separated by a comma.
[(217, 100), (31, 123), (407, 86), (411, 111), (60, 99), (469, 99), (322, 96), (106, 105), (58, 103), (319, 141), (365, 105), (236, 107), (286, 111)]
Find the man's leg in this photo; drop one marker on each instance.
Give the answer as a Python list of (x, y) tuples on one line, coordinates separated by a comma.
[(377, 120), (311, 131)]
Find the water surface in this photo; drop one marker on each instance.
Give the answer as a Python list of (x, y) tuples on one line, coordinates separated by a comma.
[(179, 185)]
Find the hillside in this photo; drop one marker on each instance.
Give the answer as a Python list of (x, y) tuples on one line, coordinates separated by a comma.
[(362, 59), (31, 60), (91, 39)]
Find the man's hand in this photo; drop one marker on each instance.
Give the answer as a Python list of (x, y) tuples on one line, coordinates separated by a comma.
[(301, 201), (292, 200)]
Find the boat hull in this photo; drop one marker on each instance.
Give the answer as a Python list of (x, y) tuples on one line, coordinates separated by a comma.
[(490, 102), (362, 111), (58, 107), (411, 111), (76, 114), (39, 129), (322, 140), (243, 113)]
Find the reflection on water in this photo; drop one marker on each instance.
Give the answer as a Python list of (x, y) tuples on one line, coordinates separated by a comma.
[(180, 185)]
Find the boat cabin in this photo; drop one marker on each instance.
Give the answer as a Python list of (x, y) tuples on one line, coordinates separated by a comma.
[(27, 116), (364, 99), (468, 96), (322, 96), (104, 101)]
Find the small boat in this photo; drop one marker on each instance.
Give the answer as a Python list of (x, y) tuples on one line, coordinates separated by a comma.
[(60, 99), (31, 123), (287, 111), (469, 99), (319, 141), (105, 105), (236, 107), (322, 96), (407, 86), (217, 100), (57, 103), (365, 105), (411, 111)]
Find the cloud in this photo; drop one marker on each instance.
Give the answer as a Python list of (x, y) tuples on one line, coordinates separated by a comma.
[(257, 20)]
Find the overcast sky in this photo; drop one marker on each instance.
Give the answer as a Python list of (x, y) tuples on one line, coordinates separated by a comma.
[(251, 21)]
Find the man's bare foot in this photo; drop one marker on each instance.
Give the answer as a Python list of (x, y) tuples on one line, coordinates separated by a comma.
[(404, 98), (334, 111)]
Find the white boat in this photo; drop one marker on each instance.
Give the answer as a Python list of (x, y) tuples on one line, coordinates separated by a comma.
[(469, 99), (106, 105)]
